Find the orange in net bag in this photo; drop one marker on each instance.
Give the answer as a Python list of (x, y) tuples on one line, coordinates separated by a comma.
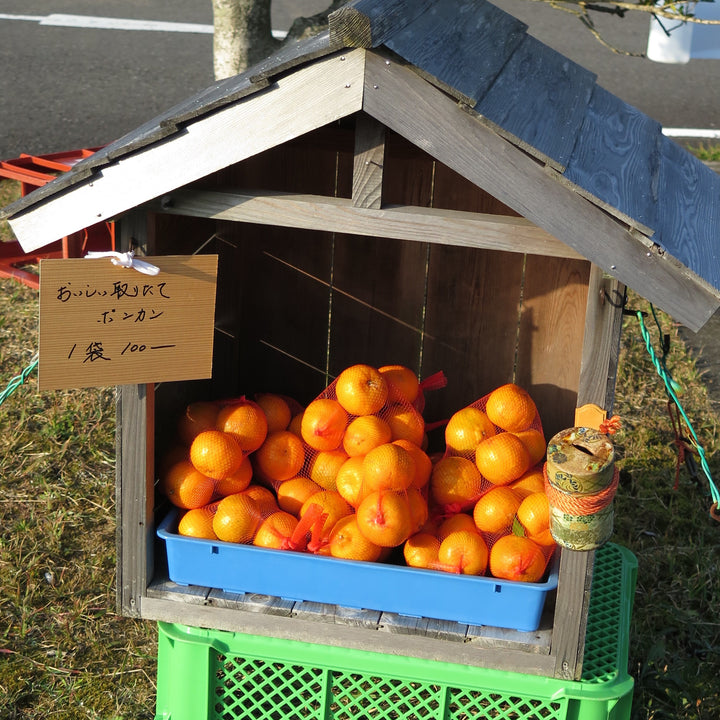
[(353, 455), (492, 471), (361, 437), (501, 434), (408, 385)]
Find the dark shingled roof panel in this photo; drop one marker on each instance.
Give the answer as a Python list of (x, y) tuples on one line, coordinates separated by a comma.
[(460, 47), (689, 211), (540, 97), (616, 157)]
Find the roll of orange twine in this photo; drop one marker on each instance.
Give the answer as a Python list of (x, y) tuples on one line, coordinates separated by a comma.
[(581, 522)]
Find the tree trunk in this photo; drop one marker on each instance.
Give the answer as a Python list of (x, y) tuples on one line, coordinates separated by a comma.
[(243, 35)]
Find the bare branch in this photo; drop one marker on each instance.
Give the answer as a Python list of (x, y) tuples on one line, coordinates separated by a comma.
[(671, 11)]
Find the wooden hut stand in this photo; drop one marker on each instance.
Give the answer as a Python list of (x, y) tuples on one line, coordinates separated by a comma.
[(424, 184)]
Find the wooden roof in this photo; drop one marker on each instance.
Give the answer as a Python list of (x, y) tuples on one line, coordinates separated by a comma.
[(464, 81)]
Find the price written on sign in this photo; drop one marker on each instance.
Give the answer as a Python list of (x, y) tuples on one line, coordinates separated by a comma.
[(102, 324)]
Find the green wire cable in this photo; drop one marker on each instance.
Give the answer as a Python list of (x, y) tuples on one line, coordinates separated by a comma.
[(671, 387), (18, 380)]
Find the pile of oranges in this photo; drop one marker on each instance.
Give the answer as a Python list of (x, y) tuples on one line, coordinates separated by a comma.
[(349, 476)]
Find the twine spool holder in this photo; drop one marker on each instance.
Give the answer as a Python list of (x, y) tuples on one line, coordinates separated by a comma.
[(581, 512)]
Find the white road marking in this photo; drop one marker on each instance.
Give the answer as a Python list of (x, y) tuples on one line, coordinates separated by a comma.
[(692, 133), (106, 23)]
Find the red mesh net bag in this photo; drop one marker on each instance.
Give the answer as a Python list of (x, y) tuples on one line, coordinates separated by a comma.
[(346, 476), (490, 479), (360, 459)]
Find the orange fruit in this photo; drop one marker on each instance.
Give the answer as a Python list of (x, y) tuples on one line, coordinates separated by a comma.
[(324, 467), (544, 538), (186, 487), (433, 523), (350, 481), (347, 542), (197, 417), (264, 499), (237, 518), (246, 422), (216, 454), (276, 409), (388, 467), (531, 481), (464, 551), (535, 443), (384, 518), (295, 425), (466, 429), (323, 424), (331, 503), (403, 380), (280, 457), (237, 482), (172, 455), (292, 494), (502, 458), (405, 423), (198, 522), (495, 511), (511, 408), (276, 530), (418, 508), (513, 557), (361, 390), (455, 483), (364, 433), (458, 521), (534, 513), (421, 550), (422, 461)]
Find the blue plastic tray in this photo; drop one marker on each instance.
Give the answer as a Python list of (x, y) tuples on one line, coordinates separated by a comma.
[(372, 586)]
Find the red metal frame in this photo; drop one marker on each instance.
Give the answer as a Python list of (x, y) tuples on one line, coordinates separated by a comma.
[(33, 171)]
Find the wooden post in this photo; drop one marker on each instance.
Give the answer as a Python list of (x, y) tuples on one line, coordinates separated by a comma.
[(134, 489), (601, 349)]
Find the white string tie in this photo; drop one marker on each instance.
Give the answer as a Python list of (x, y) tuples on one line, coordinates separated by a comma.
[(126, 259)]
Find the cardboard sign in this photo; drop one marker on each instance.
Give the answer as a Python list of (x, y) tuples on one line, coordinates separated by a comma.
[(102, 324)]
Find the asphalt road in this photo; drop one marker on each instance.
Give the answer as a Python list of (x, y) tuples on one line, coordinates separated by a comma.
[(64, 88)]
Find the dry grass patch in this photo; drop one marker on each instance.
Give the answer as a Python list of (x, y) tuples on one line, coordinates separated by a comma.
[(65, 654)]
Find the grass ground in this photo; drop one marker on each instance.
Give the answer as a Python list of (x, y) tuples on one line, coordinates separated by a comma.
[(64, 653)]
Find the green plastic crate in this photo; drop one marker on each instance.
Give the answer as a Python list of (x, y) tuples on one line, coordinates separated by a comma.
[(217, 675)]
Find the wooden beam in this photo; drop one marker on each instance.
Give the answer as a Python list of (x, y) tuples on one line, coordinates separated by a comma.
[(311, 97), (196, 611), (314, 212), (368, 162), (397, 97), (369, 23)]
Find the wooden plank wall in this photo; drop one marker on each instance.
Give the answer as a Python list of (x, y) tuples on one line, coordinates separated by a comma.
[(296, 307)]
